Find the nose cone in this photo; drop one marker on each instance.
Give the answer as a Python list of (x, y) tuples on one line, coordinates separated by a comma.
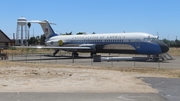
[(164, 48)]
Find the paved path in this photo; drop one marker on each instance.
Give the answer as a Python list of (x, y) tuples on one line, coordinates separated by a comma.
[(169, 88), (34, 96)]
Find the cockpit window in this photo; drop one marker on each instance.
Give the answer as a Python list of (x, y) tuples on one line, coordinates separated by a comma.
[(145, 39), (150, 39), (153, 40)]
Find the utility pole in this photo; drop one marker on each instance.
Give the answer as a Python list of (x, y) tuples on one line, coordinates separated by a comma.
[(29, 25)]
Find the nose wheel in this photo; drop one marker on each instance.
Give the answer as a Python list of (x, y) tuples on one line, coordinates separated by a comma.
[(155, 57)]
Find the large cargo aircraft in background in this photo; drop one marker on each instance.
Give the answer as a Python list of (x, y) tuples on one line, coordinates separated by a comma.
[(123, 43)]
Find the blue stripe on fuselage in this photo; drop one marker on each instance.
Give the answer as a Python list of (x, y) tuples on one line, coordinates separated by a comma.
[(145, 47), (148, 48)]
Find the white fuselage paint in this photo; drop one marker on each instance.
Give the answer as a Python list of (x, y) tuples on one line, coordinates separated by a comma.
[(110, 38)]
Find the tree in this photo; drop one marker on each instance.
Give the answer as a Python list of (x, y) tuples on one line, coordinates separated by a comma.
[(42, 39), (166, 41), (177, 41), (32, 41), (93, 33), (37, 40)]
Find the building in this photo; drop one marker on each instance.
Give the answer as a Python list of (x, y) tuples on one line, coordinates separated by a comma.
[(5, 41)]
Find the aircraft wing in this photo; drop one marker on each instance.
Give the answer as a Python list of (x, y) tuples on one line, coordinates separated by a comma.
[(55, 47)]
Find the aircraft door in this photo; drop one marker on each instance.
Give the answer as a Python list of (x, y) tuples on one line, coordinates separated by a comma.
[(137, 43)]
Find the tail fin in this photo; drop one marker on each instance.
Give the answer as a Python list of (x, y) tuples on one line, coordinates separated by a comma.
[(47, 29)]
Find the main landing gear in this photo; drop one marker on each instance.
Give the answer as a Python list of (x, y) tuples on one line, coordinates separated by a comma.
[(56, 51), (92, 53), (75, 54)]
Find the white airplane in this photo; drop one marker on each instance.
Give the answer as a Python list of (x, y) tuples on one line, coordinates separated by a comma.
[(127, 43)]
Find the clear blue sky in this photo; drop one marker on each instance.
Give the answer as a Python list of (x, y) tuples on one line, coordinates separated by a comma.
[(100, 16)]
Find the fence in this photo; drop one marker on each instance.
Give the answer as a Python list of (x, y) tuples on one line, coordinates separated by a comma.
[(45, 56)]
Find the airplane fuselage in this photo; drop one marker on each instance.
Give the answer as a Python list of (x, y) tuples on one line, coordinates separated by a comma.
[(129, 43)]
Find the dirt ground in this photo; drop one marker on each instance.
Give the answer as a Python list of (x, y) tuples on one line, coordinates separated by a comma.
[(44, 77)]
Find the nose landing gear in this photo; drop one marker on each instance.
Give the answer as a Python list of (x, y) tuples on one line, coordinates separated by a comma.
[(156, 57)]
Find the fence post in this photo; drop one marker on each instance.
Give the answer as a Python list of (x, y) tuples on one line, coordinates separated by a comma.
[(158, 64)]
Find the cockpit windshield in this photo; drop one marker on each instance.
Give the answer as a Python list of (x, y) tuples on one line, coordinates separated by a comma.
[(152, 40)]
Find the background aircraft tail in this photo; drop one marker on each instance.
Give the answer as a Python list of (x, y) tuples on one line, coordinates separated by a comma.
[(47, 29)]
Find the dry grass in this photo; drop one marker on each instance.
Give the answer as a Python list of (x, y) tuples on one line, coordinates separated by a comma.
[(174, 51), (163, 72), (149, 71), (153, 71), (29, 51)]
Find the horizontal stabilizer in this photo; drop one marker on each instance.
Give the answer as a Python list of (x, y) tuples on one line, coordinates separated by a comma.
[(37, 21)]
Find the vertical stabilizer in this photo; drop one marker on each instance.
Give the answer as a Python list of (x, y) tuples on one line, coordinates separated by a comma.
[(47, 29)]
